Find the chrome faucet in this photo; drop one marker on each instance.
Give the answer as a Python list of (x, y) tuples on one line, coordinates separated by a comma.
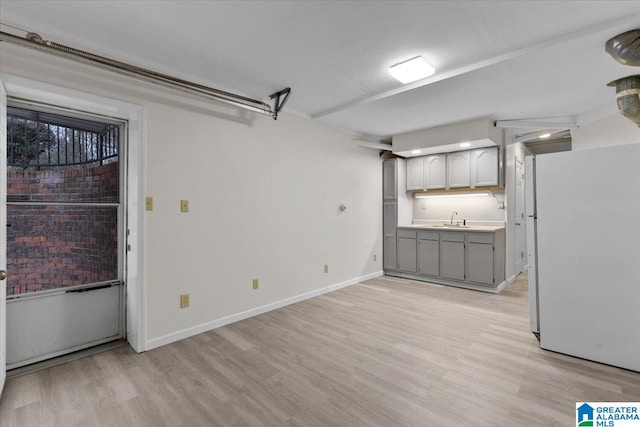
[(452, 214)]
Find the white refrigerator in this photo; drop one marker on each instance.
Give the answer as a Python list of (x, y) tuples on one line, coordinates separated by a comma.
[(583, 224)]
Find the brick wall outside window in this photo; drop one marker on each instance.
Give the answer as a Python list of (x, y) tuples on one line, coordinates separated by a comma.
[(55, 246)]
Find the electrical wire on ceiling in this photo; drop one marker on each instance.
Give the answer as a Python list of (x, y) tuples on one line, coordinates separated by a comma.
[(34, 41)]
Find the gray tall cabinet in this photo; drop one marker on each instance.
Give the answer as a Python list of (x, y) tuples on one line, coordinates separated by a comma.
[(389, 213)]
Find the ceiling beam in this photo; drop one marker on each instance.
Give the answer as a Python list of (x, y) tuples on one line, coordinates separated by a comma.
[(374, 145), (536, 124), (603, 26), (536, 135)]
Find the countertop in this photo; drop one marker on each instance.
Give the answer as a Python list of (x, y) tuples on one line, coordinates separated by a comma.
[(478, 228)]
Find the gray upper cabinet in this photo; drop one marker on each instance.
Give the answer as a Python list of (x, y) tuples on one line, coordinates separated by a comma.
[(390, 179), (458, 168), (414, 174), (484, 167), (435, 172)]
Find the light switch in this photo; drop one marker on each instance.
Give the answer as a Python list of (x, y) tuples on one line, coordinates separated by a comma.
[(148, 203), (184, 206), (256, 284)]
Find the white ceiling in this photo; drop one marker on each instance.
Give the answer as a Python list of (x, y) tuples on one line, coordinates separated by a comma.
[(504, 59)]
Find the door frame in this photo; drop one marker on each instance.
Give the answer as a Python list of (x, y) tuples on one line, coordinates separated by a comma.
[(3, 237), (135, 253), (519, 194)]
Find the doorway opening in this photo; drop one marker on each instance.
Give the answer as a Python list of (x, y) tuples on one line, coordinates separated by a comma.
[(65, 232)]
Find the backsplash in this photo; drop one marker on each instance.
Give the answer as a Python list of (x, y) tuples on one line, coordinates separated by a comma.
[(484, 208)]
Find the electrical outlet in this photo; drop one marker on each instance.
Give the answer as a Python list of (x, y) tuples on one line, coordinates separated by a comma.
[(375, 257), (256, 283), (148, 203), (184, 300), (184, 206), (326, 268)]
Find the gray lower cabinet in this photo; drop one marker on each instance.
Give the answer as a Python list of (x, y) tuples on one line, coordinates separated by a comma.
[(480, 263), (407, 251), (470, 257), (429, 254), (452, 256), (390, 253)]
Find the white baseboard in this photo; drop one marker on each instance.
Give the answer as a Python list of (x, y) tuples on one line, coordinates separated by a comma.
[(511, 279), (439, 281), (204, 327)]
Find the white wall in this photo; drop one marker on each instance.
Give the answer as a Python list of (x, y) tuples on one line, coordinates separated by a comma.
[(482, 208), (611, 130), (263, 196)]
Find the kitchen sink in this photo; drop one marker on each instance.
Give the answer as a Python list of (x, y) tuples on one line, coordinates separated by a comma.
[(452, 226)]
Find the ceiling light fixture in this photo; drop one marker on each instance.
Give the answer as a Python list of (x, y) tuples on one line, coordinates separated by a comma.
[(411, 70), (416, 151), (544, 135), (465, 144)]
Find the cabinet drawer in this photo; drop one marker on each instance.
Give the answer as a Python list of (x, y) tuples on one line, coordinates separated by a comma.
[(453, 237), (429, 235), (480, 238), (409, 234)]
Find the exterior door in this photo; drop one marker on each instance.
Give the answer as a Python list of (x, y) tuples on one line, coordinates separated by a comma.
[(65, 232), (3, 235)]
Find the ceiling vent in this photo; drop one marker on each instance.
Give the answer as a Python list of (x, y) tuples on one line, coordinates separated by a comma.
[(628, 97), (625, 48)]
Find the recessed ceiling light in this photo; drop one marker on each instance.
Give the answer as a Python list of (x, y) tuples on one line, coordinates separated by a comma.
[(465, 144), (416, 151), (411, 70), (544, 135)]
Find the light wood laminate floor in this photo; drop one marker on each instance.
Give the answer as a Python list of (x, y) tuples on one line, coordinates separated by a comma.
[(386, 352)]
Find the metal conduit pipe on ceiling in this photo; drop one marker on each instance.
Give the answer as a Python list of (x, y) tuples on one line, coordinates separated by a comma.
[(34, 41)]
